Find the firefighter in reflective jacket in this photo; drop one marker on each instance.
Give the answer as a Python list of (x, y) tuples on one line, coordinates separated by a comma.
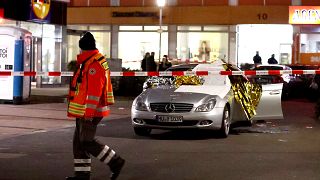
[(89, 96)]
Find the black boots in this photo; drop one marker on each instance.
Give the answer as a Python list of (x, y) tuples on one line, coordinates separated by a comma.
[(115, 167)]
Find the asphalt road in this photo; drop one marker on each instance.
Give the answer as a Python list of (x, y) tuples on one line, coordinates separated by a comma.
[(36, 143)]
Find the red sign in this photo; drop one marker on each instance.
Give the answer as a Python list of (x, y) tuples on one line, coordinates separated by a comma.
[(304, 15), (1, 15)]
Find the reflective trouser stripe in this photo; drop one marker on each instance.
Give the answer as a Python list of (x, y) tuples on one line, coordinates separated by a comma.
[(82, 165), (110, 156), (103, 152), (110, 100), (81, 161), (83, 169), (106, 154)]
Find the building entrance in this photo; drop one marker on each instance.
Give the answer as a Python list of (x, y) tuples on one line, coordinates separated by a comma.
[(268, 39)]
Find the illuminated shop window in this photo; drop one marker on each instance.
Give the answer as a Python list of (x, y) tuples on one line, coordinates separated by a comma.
[(202, 46), (99, 28), (155, 28), (78, 27), (172, 2), (51, 52), (73, 47), (310, 43), (130, 28), (102, 36), (215, 28), (267, 39), (296, 2), (233, 2), (114, 2), (103, 40), (35, 28), (134, 45), (189, 28), (89, 27), (310, 46)]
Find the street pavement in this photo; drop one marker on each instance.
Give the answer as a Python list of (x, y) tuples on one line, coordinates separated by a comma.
[(36, 143), (46, 110)]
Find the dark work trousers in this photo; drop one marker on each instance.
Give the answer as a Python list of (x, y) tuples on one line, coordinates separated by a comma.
[(85, 144)]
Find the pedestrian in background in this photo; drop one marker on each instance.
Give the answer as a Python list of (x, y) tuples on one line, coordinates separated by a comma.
[(257, 59), (272, 60), (204, 51), (165, 64), (151, 64), (144, 61), (89, 96)]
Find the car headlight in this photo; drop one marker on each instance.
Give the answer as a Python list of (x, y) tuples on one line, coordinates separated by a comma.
[(146, 85), (207, 106), (141, 106)]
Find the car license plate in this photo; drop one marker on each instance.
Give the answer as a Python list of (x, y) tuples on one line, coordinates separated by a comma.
[(169, 118)]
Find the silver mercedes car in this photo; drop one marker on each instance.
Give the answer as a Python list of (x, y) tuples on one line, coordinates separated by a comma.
[(207, 102)]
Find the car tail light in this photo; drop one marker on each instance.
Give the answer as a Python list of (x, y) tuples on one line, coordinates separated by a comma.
[(277, 79)]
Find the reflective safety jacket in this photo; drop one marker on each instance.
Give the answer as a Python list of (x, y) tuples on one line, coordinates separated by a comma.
[(90, 89)]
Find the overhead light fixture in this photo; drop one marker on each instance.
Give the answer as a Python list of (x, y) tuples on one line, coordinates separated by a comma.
[(161, 3)]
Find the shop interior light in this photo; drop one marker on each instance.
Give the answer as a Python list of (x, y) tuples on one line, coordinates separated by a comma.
[(161, 3)]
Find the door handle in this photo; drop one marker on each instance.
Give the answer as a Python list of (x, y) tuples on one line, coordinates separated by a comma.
[(274, 92)]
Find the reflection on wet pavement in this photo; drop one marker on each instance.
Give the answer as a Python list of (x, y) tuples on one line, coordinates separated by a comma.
[(262, 127)]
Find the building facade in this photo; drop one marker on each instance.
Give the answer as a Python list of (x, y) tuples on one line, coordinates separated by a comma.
[(46, 21), (193, 30), (188, 30)]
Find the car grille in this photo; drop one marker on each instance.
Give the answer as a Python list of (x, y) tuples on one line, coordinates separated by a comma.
[(184, 123), (177, 107)]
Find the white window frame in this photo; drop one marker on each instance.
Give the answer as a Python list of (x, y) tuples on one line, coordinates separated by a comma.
[(233, 2), (295, 2)]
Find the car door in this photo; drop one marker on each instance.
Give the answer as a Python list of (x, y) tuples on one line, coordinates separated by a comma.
[(269, 106)]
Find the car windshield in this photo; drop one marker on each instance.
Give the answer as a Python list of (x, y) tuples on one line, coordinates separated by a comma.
[(169, 80)]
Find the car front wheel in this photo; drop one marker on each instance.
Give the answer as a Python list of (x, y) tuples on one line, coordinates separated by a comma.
[(225, 124), (142, 131)]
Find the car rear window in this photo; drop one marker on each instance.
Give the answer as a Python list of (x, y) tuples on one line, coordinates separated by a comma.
[(188, 67), (268, 68), (180, 69)]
